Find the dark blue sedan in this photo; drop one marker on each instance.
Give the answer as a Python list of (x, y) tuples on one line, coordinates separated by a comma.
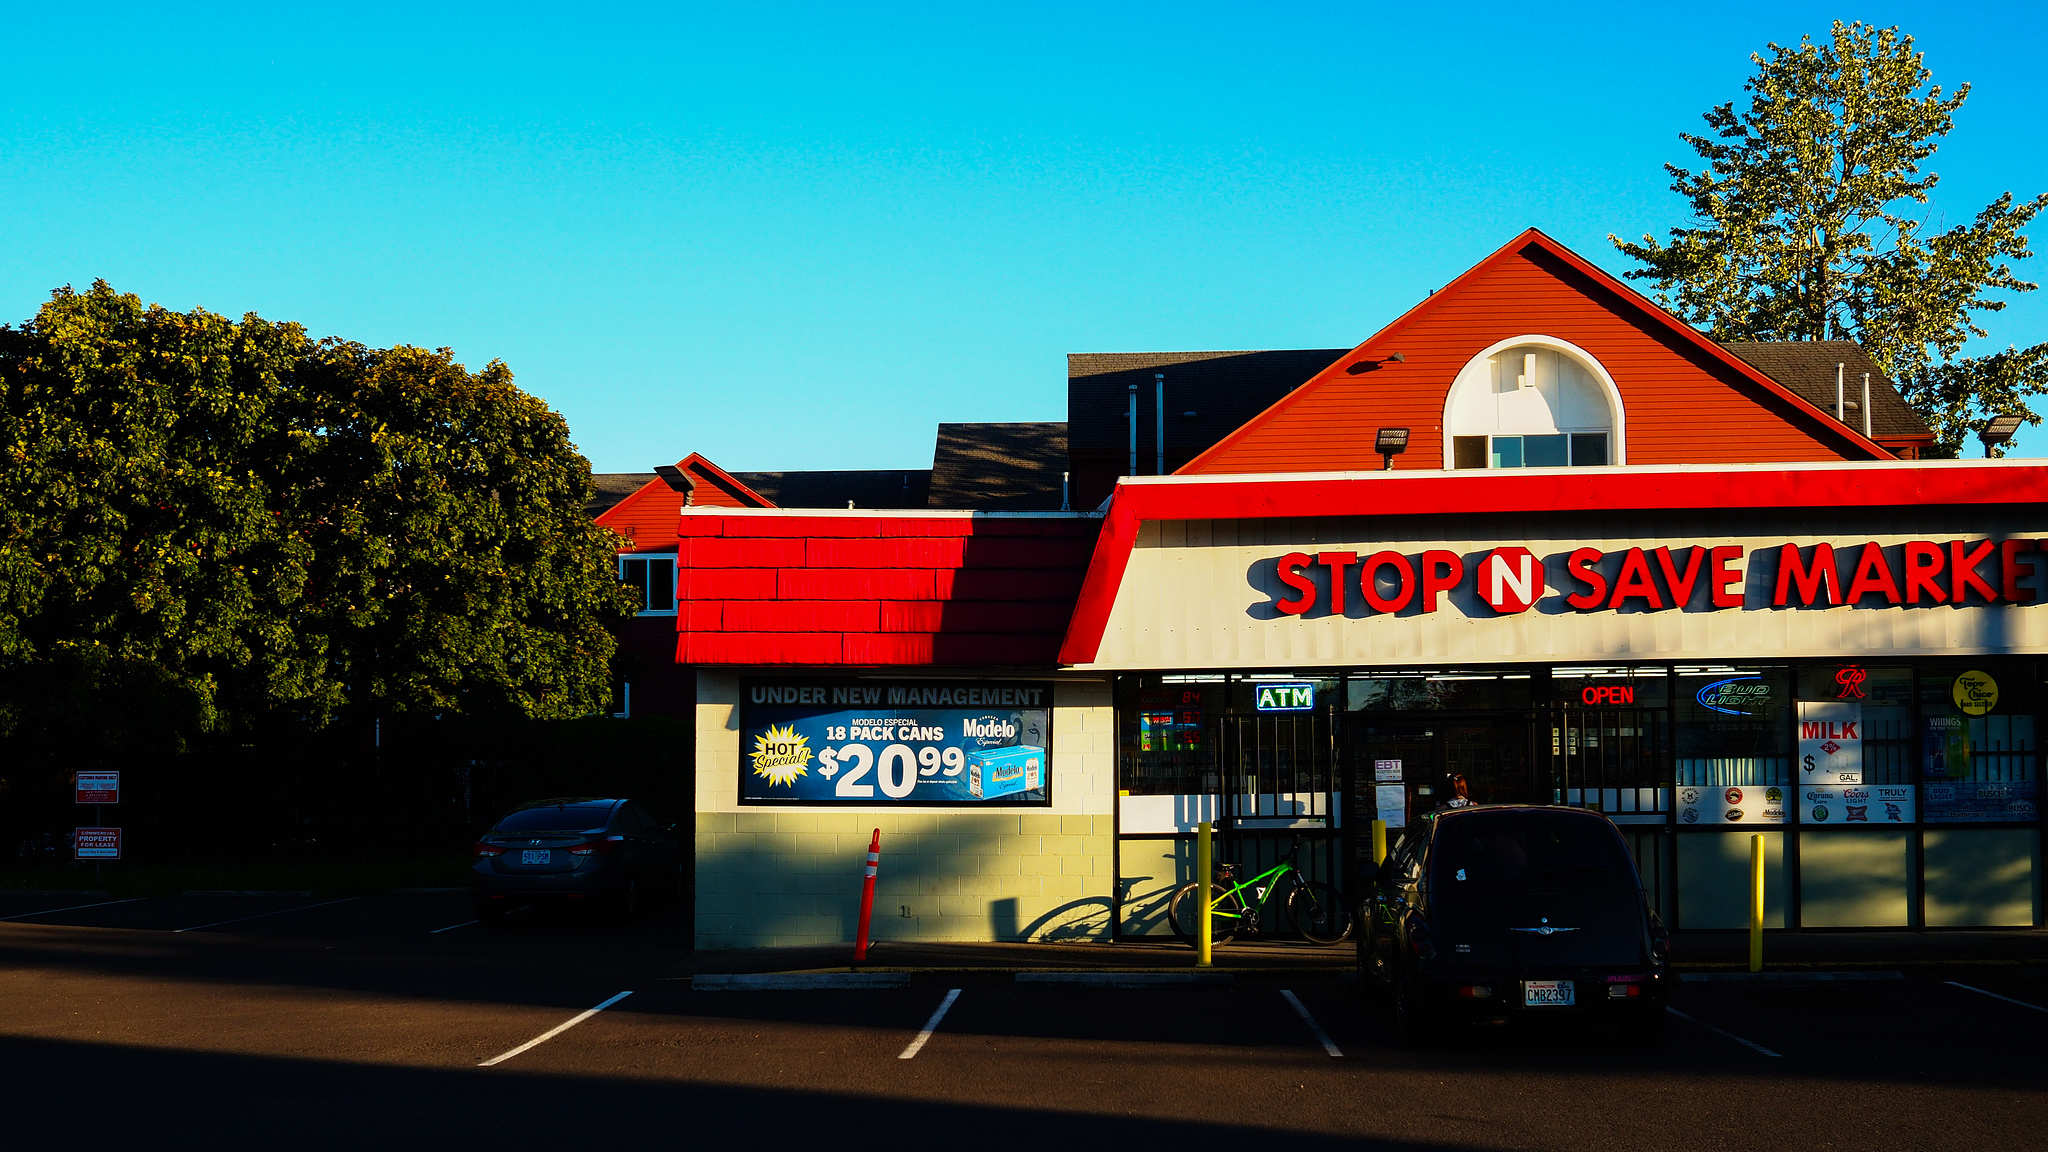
[(582, 850)]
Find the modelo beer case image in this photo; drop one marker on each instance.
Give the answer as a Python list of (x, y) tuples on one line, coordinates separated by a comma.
[(1003, 771)]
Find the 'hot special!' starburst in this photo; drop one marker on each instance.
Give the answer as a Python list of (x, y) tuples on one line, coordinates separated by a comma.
[(781, 755)]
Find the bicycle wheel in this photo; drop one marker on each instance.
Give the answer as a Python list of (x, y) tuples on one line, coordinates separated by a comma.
[(1317, 913), (1184, 910)]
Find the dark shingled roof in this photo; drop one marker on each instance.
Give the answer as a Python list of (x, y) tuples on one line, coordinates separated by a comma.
[(867, 488), (1807, 368), (1222, 389), (1012, 467), (612, 487)]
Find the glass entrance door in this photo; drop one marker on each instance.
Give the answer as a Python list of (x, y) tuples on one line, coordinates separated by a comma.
[(1398, 769)]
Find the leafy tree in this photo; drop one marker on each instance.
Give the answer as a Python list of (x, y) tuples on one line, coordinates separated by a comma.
[(1806, 229), (213, 529)]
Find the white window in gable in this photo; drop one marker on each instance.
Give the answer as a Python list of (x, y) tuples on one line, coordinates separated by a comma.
[(1532, 402), (653, 577)]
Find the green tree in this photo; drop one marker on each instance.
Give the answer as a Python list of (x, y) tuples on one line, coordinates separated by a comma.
[(218, 528), (1805, 229)]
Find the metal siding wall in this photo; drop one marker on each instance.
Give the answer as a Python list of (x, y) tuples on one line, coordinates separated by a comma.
[(1196, 594)]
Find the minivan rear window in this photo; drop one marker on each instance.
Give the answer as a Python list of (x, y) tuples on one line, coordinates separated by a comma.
[(1537, 851), (556, 818)]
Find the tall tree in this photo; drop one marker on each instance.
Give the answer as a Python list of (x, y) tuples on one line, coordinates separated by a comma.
[(1806, 229), (210, 526)]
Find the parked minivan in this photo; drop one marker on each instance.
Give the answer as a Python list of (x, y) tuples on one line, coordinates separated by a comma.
[(1495, 912)]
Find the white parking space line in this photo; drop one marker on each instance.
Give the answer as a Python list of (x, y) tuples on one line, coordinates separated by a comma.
[(261, 915), (1996, 996), (1322, 1037), (453, 927), (557, 1030), (1750, 1044), (73, 908), (931, 1025)]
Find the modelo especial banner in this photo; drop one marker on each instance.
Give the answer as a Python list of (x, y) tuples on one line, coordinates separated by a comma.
[(889, 743)]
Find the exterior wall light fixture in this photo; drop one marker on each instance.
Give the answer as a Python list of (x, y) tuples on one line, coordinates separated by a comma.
[(1998, 430), (1390, 442)]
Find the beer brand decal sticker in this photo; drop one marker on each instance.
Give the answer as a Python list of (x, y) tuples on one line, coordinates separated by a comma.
[(781, 755)]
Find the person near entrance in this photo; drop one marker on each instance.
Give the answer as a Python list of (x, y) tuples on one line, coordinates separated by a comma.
[(1457, 794)]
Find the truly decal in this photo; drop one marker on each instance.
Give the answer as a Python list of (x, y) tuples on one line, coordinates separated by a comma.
[(1513, 579)]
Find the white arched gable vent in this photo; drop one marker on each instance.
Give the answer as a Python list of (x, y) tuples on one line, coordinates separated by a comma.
[(1533, 402)]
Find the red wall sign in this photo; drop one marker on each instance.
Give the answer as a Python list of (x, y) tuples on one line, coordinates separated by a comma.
[(1511, 578)]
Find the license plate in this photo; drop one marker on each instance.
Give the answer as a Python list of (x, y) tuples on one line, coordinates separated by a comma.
[(530, 856), (1547, 993)]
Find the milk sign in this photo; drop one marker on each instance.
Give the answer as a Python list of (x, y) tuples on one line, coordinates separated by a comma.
[(1830, 742)]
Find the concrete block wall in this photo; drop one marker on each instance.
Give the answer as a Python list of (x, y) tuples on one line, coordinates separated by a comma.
[(774, 876)]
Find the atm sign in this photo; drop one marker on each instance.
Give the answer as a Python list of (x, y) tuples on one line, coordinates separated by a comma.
[(1287, 698), (1608, 694)]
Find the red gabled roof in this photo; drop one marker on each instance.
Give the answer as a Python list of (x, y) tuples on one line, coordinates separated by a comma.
[(1687, 399), (647, 518), (714, 487)]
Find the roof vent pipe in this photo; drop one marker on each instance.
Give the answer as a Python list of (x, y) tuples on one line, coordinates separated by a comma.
[(1133, 414), (1839, 418), (1159, 423), (1866, 405)]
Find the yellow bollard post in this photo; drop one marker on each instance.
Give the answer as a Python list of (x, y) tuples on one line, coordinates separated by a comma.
[(1756, 903), (1204, 868), (1379, 843)]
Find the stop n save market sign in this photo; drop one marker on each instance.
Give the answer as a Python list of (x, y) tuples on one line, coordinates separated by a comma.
[(1511, 578)]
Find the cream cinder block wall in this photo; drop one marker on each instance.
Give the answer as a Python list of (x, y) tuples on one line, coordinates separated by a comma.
[(792, 875)]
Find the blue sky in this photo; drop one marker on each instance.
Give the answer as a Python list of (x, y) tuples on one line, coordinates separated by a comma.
[(798, 237)]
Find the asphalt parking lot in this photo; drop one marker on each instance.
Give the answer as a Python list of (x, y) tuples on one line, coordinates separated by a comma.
[(266, 1022)]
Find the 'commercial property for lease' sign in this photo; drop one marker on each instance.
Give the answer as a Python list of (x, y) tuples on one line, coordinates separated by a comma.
[(884, 744)]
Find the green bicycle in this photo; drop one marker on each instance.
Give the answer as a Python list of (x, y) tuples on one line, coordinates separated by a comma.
[(1235, 906)]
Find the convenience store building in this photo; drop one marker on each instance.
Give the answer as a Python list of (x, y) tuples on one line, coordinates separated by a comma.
[(1706, 589)]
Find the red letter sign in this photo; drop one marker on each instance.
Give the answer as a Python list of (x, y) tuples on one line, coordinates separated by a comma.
[(1336, 562), (1510, 579), (2010, 566), (1368, 577), (1290, 575), (1923, 572), (1873, 574), (1441, 571), (1581, 565), (1722, 576)]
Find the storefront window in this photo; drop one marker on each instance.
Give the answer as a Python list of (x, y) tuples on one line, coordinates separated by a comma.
[(1866, 714), (1448, 690), (1611, 687), (1978, 753), (1166, 732), (1732, 728)]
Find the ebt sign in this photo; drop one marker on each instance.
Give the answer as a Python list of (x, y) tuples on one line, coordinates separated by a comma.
[(1511, 579)]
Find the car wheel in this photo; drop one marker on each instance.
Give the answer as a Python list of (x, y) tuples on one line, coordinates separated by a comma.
[(1643, 1029), (626, 906)]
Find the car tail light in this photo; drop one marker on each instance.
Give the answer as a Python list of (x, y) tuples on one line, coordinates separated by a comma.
[(1420, 945), (1476, 992), (604, 847), (1624, 991), (483, 849)]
